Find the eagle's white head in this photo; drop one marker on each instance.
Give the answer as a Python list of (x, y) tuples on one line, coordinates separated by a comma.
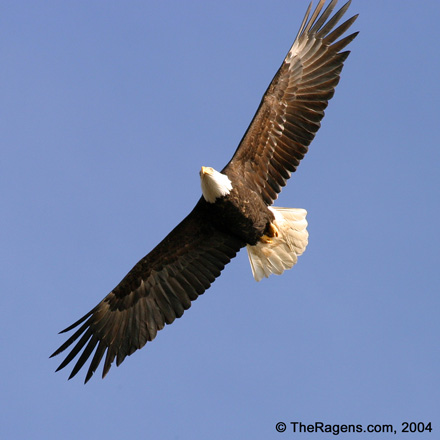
[(214, 184)]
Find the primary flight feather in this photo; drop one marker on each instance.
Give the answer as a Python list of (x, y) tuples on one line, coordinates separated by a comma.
[(234, 210)]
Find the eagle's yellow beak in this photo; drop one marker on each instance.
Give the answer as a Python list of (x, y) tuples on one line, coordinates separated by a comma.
[(206, 170)]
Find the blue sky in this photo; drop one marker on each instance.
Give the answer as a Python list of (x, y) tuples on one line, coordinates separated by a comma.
[(107, 112)]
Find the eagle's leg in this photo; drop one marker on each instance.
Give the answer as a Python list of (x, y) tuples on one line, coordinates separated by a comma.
[(270, 232)]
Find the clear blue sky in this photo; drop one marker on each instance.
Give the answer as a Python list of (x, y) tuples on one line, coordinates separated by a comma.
[(107, 111)]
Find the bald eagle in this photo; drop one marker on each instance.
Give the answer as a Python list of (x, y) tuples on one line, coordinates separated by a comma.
[(234, 210)]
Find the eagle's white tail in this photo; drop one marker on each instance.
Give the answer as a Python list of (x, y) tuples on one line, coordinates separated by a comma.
[(281, 252)]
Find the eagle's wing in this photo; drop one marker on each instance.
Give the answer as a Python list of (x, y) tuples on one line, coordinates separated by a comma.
[(158, 289), (290, 112)]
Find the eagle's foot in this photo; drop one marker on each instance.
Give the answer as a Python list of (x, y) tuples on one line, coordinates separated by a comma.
[(265, 239), (271, 231)]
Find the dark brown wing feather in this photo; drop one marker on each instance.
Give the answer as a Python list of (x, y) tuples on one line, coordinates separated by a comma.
[(290, 112), (158, 289)]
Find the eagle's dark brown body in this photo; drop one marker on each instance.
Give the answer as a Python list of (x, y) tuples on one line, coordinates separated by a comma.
[(242, 213)]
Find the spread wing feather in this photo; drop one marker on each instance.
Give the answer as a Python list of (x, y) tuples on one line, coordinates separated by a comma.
[(158, 289), (291, 110)]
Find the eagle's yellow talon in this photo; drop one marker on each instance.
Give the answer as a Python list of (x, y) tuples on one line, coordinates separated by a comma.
[(266, 239), (273, 230)]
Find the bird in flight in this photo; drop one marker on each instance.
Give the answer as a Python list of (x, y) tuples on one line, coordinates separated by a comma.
[(235, 207)]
